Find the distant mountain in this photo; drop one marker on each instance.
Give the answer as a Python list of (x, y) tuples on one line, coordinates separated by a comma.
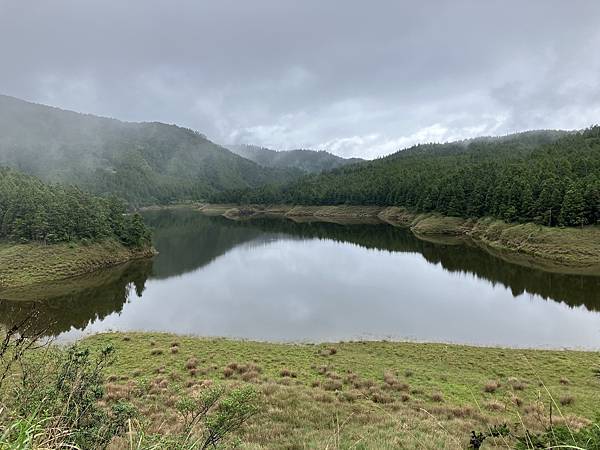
[(144, 163), (310, 161)]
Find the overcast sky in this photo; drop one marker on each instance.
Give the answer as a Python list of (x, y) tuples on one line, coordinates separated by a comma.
[(358, 78)]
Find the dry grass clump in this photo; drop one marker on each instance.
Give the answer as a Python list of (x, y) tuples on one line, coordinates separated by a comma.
[(408, 373), (363, 384), (191, 363), (516, 384), (332, 385), (350, 396), (491, 386), (160, 370), (315, 384), (495, 406), (381, 397), (156, 352), (118, 392), (328, 351), (564, 381), (126, 338), (152, 343), (516, 400), (286, 373), (228, 372), (174, 350), (250, 375), (269, 389), (324, 397), (333, 376), (437, 397), (391, 382), (566, 400)]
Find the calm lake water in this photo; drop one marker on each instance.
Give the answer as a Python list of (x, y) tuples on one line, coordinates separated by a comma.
[(277, 280)]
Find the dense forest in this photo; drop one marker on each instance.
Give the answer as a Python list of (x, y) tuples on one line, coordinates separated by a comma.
[(548, 177), (31, 210), (144, 163), (310, 161)]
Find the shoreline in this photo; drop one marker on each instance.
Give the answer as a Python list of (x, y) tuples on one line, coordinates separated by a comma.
[(30, 264), (553, 249)]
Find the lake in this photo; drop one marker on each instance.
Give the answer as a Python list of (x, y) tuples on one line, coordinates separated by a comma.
[(278, 280)]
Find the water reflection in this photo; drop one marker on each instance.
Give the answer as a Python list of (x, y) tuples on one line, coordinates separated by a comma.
[(278, 280)]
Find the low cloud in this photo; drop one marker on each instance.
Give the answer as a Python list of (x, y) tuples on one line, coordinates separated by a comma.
[(354, 78)]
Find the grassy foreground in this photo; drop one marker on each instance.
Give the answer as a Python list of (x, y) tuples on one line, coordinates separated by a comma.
[(359, 395), (31, 263), (567, 250)]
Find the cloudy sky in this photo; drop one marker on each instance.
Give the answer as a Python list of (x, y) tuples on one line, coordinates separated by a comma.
[(358, 78)]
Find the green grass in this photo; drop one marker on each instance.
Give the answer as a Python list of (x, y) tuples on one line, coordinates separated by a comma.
[(361, 394), (31, 263)]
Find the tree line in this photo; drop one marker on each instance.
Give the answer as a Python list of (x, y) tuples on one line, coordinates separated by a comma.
[(550, 178), (31, 210)]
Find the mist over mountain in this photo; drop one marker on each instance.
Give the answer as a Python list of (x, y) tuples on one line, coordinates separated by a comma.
[(144, 163), (309, 161)]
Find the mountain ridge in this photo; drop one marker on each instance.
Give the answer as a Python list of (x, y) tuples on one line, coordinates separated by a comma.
[(142, 162), (307, 160)]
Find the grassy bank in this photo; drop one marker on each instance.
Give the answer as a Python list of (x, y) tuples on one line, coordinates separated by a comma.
[(31, 263), (569, 250), (366, 395)]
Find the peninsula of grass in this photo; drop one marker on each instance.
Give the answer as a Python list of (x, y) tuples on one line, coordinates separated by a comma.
[(360, 395), (565, 250), (34, 263)]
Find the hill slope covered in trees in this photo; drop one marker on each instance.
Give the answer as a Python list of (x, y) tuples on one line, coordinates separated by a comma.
[(144, 163), (311, 161), (548, 177), (31, 211)]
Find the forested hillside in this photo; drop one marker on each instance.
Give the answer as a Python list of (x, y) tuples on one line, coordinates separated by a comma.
[(305, 160), (551, 178), (33, 211), (144, 163)]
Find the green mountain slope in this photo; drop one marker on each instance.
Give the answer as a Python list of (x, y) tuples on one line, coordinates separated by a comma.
[(311, 161), (548, 177), (143, 163)]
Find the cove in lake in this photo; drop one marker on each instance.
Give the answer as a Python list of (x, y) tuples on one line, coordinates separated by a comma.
[(277, 280)]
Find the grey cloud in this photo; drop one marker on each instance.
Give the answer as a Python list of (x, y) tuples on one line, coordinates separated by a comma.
[(357, 78)]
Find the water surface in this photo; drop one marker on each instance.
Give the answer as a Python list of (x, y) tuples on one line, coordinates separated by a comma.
[(276, 280)]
